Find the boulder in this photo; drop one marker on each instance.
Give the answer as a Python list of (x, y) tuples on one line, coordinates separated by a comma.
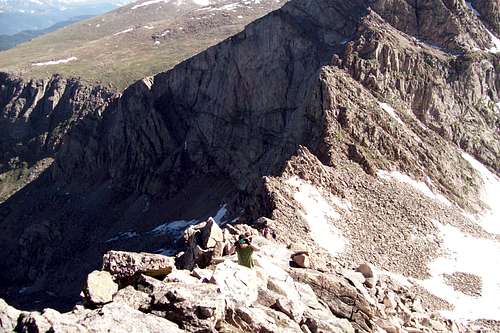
[(203, 242), (135, 299), (148, 284), (8, 317), (124, 265), (202, 273), (344, 300), (196, 308), (301, 260), (183, 276), (118, 317), (238, 284), (262, 319), (211, 234), (99, 288), (369, 274)]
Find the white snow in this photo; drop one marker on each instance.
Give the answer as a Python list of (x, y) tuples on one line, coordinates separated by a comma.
[(494, 39), (123, 235), (157, 42), (419, 186), (55, 62), (173, 226), (149, 27), (497, 107), (467, 254), (230, 6), (220, 214), (318, 213), (239, 16), (202, 2), (123, 31), (496, 42), (390, 111), (490, 195), (147, 3)]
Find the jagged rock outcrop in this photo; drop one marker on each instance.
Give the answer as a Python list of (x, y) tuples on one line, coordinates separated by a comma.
[(279, 299)]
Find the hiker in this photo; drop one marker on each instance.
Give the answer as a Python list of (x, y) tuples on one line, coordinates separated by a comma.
[(245, 250)]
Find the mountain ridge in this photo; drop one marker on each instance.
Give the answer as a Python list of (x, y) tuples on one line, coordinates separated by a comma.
[(324, 91)]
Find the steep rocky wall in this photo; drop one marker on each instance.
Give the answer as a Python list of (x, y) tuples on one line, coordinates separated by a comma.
[(490, 13), (455, 96), (445, 23), (34, 118)]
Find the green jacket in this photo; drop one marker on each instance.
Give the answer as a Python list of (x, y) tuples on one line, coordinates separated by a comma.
[(245, 256)]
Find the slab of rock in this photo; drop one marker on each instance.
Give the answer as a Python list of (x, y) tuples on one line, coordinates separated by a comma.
[(118, 317), (148, 284), (196, 308), (202, 273), (183, 276), (238, 284), (262, 319), (124, 265), (8, 317), (301, 260), (99, 288), (135, 299)]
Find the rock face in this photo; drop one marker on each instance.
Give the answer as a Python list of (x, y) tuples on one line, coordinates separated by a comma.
[(330, 90)]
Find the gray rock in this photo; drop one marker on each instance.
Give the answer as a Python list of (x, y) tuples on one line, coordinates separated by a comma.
[(135, 299), (8, 316), (127, 264), (196, 308), (100, 288)]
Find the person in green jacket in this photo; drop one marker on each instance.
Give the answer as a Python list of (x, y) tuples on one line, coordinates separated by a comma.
[(245, 250)]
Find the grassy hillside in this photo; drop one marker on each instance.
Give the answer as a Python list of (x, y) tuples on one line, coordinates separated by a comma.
[(132, 42)]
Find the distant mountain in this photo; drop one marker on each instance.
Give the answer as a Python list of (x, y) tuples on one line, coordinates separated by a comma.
[(19, 15), (10, 41), (134, 41)]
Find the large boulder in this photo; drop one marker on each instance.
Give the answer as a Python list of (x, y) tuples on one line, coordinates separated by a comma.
[(262, 319), (118, 317), (343, 299), (124, 265), (99, 288), (239, 284), (135, 299), (196, 308), (203, 242), (8, 317)]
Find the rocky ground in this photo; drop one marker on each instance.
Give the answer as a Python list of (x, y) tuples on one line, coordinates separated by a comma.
[(143, 292)]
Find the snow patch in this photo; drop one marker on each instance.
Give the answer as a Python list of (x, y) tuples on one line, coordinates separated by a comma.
[(467, 254), (220, 214), (390, 111), (123, 31), (123, 235), (318, 213), (55, 62), (149, 27), (419, 186), (490, 195), (202, 3), (173, 226), (148, 3), (494, 39)]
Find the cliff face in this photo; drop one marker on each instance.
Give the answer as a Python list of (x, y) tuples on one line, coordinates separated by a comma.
[(35, 116), (361, 90)]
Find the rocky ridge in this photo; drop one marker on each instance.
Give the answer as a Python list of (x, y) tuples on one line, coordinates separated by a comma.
[(226, 297)]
